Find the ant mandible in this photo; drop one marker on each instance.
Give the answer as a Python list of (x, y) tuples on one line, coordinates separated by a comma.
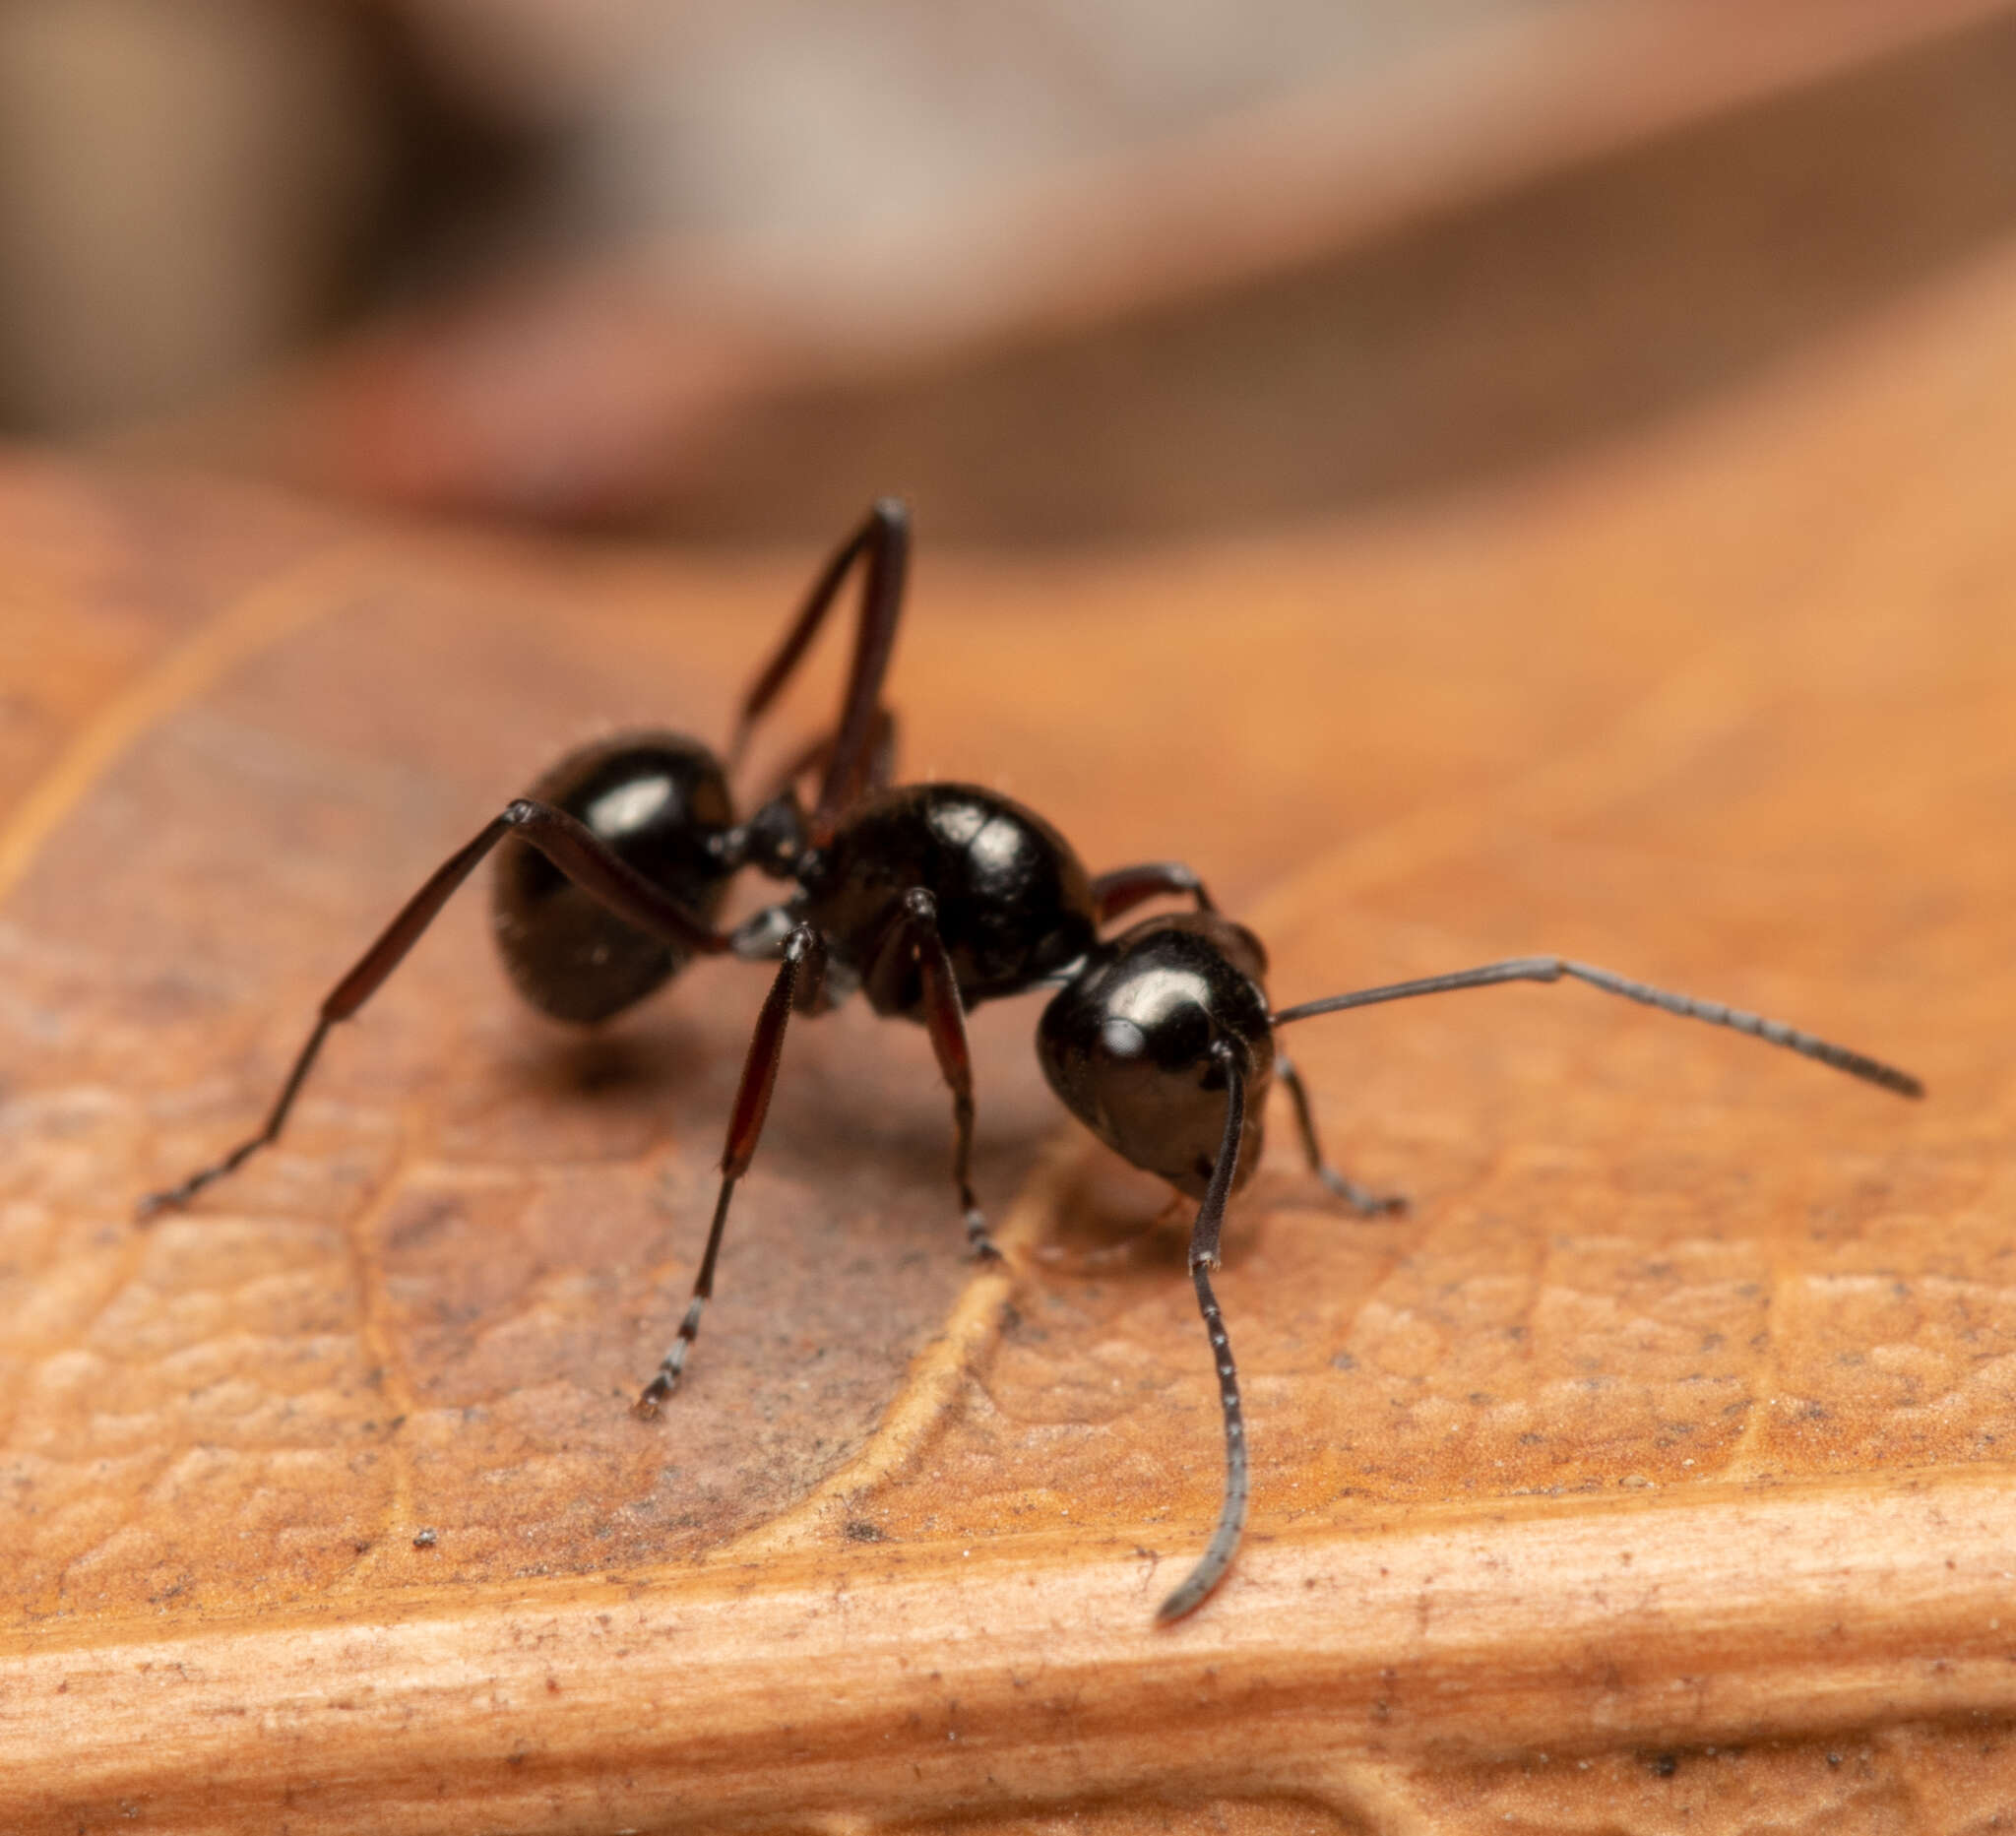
[(928, 899)]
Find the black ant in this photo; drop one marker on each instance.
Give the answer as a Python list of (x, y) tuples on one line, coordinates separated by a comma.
[(928, 899)]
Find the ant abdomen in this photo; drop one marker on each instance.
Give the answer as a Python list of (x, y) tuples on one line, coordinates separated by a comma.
[(1127, 1044), (661, 803)]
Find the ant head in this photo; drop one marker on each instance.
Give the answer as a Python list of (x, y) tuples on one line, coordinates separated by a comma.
[(1128, 1041)]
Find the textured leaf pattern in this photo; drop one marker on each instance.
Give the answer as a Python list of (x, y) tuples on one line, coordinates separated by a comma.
[(1658, 1458)]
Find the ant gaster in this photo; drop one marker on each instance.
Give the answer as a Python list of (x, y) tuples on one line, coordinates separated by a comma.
[(927, 899)]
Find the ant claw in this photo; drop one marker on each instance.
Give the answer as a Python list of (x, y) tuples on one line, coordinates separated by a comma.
[(1362, 1199), (169, 1198)]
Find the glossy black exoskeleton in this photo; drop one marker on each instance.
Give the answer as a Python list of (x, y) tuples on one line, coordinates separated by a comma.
[(610, 873), (927, 899), (1124, 1042), (659, 803), (1014, 907)]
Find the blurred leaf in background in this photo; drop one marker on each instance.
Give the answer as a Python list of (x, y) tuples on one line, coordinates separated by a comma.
[(1060, 272)]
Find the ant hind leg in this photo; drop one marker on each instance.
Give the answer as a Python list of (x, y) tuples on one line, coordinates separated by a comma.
[(569, 844), (860, 745)]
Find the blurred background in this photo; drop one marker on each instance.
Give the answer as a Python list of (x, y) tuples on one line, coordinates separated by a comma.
[(1064, 272)]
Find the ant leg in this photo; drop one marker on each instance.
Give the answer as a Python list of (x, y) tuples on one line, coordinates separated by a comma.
[(915, 934), (803, 954), (1360, 1197), (1232, 1517), (774, 837), (1126, 887), (882, 747), (881, 771), (570, 845), (1553, 968), (883, 537)]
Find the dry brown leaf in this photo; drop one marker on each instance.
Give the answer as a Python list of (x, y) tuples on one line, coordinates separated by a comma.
[(1655, 1463)]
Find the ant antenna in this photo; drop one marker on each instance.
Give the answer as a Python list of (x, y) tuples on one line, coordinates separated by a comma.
[(1553, 968), (1232, 1515)]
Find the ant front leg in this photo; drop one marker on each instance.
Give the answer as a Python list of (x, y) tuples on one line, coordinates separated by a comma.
[(913, 934), (804, 956), (569, 844), (1360, 1198), (1126, 887)]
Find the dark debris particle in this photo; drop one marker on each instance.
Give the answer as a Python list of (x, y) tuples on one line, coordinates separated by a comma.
[(859, 1529), (423, 1538)]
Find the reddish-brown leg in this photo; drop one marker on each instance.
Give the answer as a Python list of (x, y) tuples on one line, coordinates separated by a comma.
[(568, 845), (1359, 1197), (1126, 887), (883, 542), (804, 959), (912, 938), (815, 757)]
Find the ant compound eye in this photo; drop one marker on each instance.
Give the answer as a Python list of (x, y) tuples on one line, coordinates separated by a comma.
[(1121, 1038)]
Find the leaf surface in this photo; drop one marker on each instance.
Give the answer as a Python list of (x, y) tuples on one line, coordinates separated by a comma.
[(1657, 1458)]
